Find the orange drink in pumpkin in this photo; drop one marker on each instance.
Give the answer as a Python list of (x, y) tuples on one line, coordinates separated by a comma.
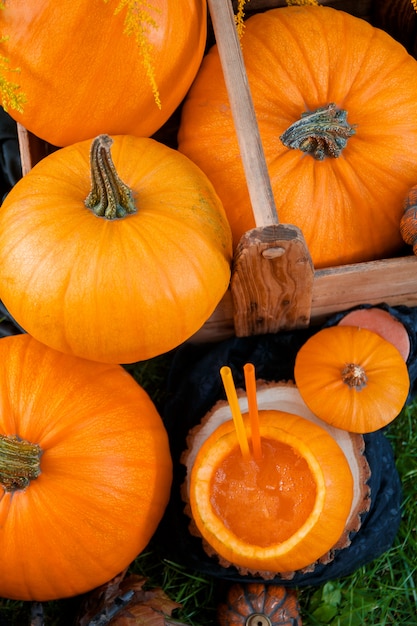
[(277, 513)]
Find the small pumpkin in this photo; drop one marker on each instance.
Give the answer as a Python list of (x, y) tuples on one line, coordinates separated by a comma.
[(339, 131), (352, 378), (129, 276), (277, 514), (256, 604), (85, 471), (95, 66)]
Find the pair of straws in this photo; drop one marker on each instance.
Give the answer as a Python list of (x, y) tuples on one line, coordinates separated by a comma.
[(230, 389)]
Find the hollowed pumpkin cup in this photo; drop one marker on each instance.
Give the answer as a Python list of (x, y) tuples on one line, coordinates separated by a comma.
[(277, 513)]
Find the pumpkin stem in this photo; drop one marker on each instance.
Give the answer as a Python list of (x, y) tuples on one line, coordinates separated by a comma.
[(19, 462), (354, 376), (321, 133), (109, 197)]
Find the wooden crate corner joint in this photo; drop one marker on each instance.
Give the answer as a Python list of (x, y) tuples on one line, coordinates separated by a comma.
[(272, 281)]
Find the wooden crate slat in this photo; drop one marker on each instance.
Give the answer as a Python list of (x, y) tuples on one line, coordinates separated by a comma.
[(393, 281)]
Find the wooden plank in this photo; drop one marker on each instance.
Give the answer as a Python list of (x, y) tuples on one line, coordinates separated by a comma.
[(393, 281), (31, 148)]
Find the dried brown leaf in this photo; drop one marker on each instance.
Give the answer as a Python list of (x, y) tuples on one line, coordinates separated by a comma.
[(124, 602), (146, 607)]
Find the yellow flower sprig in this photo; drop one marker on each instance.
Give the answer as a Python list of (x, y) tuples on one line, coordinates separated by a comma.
[(240, 12), (414, 3), (10, 95), (138, 23), (239, 17), (313, 3)]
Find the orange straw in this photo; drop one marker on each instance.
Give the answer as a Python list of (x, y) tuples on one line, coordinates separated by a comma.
[(250, 382), (230, 389)]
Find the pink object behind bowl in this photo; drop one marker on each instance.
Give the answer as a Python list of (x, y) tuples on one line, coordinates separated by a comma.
[(382, 323)]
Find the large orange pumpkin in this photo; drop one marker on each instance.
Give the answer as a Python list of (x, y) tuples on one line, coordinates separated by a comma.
[(85, 471), (95, 66), (338, 126), (132, 275)]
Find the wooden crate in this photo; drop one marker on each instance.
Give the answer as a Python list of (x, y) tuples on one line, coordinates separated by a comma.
[(259, 303)]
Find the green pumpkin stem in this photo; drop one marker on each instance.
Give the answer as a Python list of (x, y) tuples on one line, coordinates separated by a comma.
[(109, 197), (321, 133), (19, 462)]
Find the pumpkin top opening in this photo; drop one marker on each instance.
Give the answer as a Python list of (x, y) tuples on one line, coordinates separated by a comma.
[(19, 462), (109, 197), (321, 133)]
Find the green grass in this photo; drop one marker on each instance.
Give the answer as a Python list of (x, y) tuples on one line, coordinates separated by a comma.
[(381, 593)]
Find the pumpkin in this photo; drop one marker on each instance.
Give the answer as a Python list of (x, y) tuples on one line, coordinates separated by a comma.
[(130, 276), (276, 514), (95, 66), (85, 471), (339, 130), (256, 604), (352, 378)]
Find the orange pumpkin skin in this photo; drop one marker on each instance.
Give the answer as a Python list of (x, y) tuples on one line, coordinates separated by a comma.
[(114, 290), (94, 79), (299, 59), (352, 378), (105, 471)]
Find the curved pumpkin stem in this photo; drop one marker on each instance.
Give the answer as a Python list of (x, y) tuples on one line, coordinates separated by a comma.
[(321, 133), (19, 462), (109, 197)]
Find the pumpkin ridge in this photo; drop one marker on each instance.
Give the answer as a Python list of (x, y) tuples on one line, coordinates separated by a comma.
[(304, 52), (297, 44)]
